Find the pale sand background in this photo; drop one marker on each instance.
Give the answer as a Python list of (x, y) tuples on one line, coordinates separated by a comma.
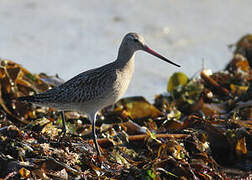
[(68, 37)]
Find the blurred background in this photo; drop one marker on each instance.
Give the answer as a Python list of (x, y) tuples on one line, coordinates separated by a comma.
[(69, 37)]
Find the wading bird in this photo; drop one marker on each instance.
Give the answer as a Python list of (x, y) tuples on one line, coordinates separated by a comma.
[(94, 89)]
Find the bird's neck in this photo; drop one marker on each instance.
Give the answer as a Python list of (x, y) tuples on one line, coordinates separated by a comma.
[(125, 56)]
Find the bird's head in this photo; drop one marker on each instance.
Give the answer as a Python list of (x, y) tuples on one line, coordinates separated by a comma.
[(134, 42)]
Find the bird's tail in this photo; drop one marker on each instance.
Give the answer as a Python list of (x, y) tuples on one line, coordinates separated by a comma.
[(28, 99), (37, 98)]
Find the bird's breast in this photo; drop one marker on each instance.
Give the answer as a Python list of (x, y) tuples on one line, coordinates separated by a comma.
[(122, 82)]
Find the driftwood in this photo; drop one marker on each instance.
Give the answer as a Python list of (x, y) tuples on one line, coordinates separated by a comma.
[(104, 142), (213, 85)]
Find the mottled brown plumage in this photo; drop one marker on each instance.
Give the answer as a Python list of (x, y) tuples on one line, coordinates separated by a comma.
[(94, 89)]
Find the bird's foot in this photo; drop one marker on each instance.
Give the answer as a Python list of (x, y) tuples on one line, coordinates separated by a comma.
[(100, 158), (62, 134)]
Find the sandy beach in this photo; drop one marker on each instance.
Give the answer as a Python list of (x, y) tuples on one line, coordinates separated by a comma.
[(68, 37)]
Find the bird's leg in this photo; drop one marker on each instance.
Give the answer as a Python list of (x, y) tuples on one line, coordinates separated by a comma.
[(94, 135), (63, 131)]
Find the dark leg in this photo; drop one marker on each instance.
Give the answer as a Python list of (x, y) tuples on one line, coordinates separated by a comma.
[(94, 135), (63, 132)]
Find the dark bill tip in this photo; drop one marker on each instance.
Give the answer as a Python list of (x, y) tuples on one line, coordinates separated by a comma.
[(154, 53)]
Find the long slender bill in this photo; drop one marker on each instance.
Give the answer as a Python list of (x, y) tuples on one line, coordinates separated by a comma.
[(149, 50)]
